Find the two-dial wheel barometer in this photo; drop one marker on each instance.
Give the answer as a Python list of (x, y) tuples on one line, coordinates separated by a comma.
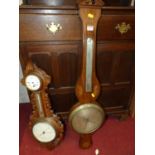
[(45, 125), (87, 115)]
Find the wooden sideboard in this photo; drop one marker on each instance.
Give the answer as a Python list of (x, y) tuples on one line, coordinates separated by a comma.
[(60, 54)]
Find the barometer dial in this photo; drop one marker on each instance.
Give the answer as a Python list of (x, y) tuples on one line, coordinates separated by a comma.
[(89, 116), (44, 132)]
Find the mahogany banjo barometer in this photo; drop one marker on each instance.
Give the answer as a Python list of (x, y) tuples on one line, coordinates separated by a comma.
[(87, 115), (45, 125)]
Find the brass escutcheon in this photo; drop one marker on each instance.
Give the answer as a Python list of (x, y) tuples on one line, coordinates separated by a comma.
[(53, 28), (123, 27)]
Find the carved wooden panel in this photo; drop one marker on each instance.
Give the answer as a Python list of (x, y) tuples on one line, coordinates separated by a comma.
[(104, 65), (63, 102), (115, 97), (125, 67), (115, 70), (115, 63)]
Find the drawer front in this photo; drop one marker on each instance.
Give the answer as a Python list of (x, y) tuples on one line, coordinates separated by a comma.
[(33, 27), (116, 27)]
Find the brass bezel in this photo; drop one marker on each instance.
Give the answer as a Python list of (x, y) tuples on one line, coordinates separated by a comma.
[(80, 106)]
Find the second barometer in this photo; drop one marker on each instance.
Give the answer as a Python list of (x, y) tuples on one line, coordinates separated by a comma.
[(87, 115)]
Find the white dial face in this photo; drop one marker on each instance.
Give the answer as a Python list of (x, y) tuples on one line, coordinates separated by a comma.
[(32, 82), (44, 132)]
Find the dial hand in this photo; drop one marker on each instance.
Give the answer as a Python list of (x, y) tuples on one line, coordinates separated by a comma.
[(42, 133)]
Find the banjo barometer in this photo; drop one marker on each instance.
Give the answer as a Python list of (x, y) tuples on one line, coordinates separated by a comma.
[(87, 115), (46, 126)]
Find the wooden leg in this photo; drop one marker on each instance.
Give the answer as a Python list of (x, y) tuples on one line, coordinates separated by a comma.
[(85, 141)]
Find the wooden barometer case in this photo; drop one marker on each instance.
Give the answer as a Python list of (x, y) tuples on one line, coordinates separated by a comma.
[(87, 115), (46, 126)]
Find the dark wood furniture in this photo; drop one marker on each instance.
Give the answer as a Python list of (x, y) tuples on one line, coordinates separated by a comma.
[(60, 54)]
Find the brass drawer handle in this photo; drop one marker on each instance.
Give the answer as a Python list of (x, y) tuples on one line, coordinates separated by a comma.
[(123, 27), (53, 28)]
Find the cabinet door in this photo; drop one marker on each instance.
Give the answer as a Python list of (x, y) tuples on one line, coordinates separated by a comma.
[(115, 70)]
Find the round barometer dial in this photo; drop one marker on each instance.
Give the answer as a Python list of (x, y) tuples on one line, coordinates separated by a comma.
[(44, 132), (86, 118), (33, 82)]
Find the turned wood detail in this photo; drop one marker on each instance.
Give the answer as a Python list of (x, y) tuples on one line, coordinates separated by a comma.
[(85, 141)]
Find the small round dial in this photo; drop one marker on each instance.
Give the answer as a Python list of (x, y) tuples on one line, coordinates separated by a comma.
[(44, 132), (33, 82), (89, 117)]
